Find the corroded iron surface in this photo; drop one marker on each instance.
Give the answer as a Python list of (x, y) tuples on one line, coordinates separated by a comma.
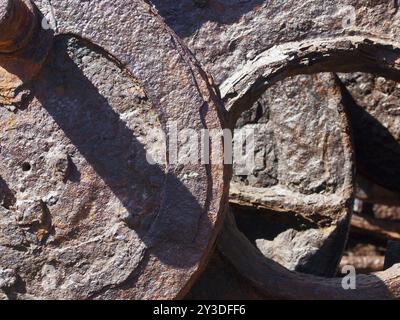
[(303, 153), (272, 279), (23, 48), (249, 47), (374, 115), (164, 222), (303, 167), (221, 281), (83, 213)]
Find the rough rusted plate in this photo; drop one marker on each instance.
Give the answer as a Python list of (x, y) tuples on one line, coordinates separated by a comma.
[(83, 214), (22, 49), (303, 168)]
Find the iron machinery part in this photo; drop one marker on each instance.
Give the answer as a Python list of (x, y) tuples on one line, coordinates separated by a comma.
[(303, 157), (84, 213), (256, 45), (302, 181)]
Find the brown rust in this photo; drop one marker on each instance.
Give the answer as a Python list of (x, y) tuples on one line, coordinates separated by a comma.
[(269, 44), (272, 279), (18, 20), (23, 49), (143, 231), (381, 229)]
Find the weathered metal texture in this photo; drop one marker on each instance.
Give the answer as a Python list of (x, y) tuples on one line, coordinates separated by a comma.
[(271, 279), (261, 42), (23, 48), (248, 48), (303, 166), (302, 138), (18, 21), (84, 215), (374, 115), (378, 229), (303, 151)]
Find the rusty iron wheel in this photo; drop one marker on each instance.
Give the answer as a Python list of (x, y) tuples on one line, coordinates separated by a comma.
[(335, 54), (84, 215)]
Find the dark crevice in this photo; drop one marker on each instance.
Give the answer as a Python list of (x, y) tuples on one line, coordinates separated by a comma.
[(7, 196)]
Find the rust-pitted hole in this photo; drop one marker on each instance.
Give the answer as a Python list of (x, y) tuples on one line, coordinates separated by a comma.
[(26, 166)]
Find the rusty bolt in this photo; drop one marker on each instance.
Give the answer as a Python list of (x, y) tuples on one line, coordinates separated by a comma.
[(18, 21)]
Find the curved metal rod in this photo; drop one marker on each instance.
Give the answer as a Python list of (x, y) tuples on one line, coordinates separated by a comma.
[(369, 54), (339, 54), (276, 281)]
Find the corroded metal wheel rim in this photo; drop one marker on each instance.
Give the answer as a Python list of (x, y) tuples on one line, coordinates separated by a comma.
[(367, 53), (135, 37)]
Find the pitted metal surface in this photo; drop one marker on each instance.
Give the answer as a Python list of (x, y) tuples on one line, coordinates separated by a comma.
[(375, 121), (84, 193), (84, 215), (302, 137), (303, 153), (166, 237), (303, 168), (249, 47)]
